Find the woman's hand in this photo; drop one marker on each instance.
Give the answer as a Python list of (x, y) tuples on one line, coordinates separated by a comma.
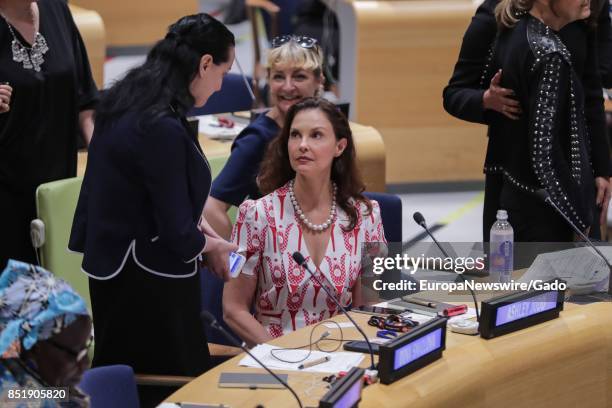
[(603, 198), (499, 99), (5, 97), (206, 229), (217, 256)]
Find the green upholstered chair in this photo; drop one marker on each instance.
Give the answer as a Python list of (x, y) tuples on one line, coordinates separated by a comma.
[(55, 205)]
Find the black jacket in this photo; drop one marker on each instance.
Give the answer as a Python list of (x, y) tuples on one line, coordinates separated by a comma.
[(548, 146), (475, 67), (143, 193)]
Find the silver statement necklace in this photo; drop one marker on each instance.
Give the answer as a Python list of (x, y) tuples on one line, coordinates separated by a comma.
[(30, 57), (310, 225)]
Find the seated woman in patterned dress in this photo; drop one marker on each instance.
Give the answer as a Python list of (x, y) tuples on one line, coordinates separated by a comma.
[(314, 205)]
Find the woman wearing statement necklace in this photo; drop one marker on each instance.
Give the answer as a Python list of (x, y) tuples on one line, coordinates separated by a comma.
[(47, 102), (314, 205)]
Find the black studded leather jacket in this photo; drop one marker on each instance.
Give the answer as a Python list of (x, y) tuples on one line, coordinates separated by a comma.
[(549, 146)]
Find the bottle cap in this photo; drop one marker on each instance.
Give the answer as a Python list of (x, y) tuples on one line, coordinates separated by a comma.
[(502, 215)]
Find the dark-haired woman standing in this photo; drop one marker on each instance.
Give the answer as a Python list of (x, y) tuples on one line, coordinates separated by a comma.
[(314, 205), (139, 218)]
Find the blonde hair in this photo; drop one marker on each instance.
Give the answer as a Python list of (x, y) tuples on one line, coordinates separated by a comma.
[(509, 12), (294, 55)]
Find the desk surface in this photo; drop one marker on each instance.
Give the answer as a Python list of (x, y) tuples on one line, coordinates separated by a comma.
[(562, 362)]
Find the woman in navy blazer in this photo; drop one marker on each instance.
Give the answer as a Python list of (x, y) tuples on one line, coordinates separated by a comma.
[(139, 219)]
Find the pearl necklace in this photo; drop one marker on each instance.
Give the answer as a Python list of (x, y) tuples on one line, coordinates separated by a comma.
[(302, 216)]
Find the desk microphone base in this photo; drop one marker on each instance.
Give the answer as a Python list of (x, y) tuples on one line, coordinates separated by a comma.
[(590, 298)]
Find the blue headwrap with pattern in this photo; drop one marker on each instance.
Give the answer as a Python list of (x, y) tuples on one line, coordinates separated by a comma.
[(34, 305)]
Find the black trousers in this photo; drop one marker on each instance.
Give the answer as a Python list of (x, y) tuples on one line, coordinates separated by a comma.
[(17, 210), (151, 323), (493, 188)]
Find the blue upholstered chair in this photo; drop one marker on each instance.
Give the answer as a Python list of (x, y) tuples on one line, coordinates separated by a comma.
[(111, 386), (212, 287), (233, 97), (391, 213), (284, 18)]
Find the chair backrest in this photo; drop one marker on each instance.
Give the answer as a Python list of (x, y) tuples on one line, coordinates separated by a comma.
[(232, 97), (391, 213), (111, 386), (287, 12), (55, 205)]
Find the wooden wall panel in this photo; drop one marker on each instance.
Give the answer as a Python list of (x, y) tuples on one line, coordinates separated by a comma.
[(92, 31), (138, 22), (405, 52)]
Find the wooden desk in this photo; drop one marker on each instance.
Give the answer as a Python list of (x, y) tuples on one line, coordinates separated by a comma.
[(395, 59), (566, 362), (138, 22), (368, 143)]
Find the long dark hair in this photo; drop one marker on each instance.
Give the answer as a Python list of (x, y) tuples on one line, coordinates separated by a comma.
[(164, 79), (276, 169)]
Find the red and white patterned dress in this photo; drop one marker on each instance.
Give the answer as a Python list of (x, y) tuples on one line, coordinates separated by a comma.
[(268, 232)]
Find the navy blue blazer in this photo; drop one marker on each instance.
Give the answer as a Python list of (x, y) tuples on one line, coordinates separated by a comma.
[(142, 196)]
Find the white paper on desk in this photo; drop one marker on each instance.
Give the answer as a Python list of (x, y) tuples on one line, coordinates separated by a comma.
[(343, 325), (582, 269), (341, 361), (206, 125)]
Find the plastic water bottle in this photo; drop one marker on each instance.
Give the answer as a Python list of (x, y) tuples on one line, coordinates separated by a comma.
[(501, 249)]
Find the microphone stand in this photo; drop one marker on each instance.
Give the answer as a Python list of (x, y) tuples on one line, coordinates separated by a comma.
[(419, 219), (546, 197), (210, 319), (302, 262)]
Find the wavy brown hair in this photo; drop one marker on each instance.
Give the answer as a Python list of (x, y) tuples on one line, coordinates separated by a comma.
[(276, 169)]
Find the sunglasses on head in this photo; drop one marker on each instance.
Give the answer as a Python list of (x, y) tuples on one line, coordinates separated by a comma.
[(302, 41)]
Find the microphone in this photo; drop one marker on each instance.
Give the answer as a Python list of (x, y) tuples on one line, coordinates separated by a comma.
[(297, 257), (419, 219), (544, 196), (207, 317)]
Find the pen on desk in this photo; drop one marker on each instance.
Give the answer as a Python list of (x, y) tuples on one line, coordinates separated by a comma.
[(420, 302), (314, 362), (422, 312)]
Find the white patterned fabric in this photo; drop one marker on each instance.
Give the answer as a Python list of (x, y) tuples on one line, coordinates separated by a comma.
[(268, 232)]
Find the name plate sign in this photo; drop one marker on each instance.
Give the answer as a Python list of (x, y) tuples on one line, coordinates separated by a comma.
[(509, 313), (413, 350), (346, 392)]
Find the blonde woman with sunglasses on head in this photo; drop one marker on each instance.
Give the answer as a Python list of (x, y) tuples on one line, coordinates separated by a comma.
[(295, 72)]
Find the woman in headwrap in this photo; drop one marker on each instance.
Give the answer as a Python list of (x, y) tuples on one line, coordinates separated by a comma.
[(45, 334)]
